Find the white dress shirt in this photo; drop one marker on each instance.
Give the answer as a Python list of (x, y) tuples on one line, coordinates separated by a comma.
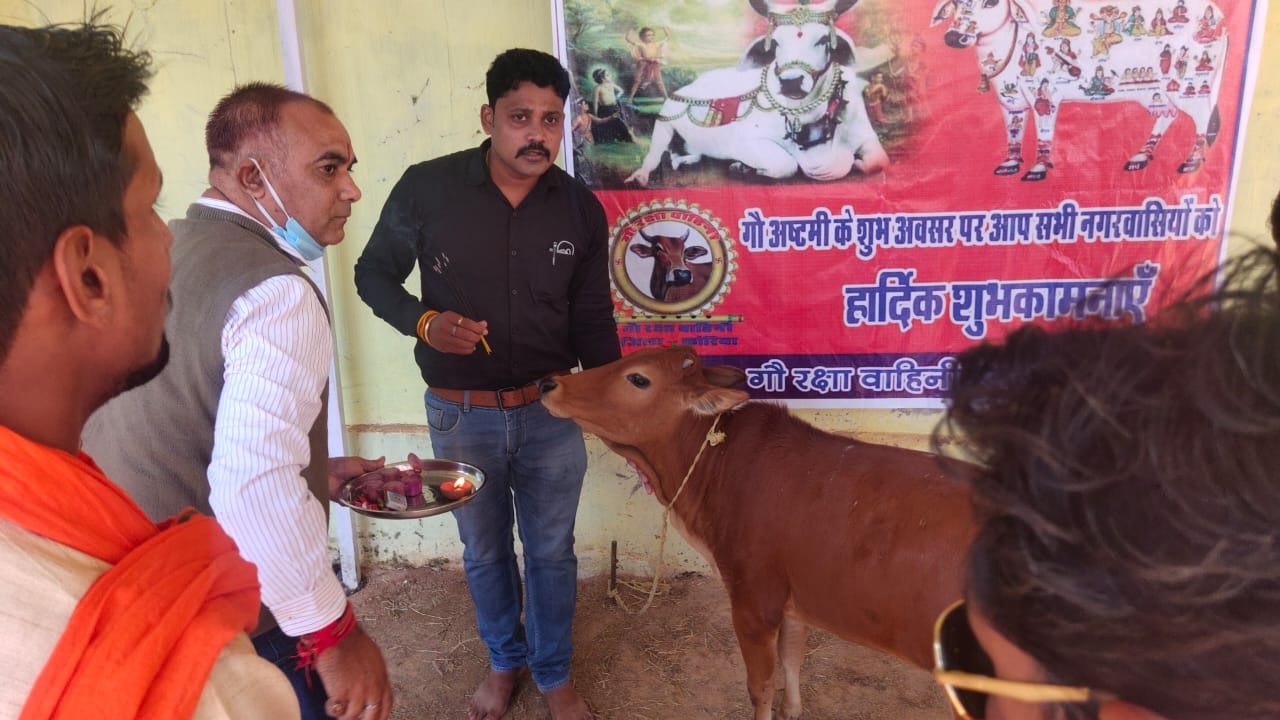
[(277, 349)]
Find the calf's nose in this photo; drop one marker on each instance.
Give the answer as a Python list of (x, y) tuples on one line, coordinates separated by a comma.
[(546, 385)]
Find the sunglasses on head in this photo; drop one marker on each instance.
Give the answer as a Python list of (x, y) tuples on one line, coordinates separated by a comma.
[(966, 672)]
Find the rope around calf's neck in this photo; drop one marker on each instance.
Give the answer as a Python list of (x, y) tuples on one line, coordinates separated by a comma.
[(713, 438)]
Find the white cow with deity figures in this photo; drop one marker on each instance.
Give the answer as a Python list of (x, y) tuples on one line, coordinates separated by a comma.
[(1166, 55), (793, 104)]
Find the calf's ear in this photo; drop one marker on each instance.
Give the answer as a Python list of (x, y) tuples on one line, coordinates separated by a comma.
[(714, 401), (724, 375)]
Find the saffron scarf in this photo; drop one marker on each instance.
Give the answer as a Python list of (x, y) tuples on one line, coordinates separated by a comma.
[(143, 639)]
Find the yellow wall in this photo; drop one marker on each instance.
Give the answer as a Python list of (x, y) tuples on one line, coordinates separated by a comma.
[(407, 78)]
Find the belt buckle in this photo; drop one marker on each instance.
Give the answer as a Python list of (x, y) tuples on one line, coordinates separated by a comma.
[(497, 395)]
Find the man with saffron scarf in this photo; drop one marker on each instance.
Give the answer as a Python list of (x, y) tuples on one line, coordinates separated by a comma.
[(103, 613)]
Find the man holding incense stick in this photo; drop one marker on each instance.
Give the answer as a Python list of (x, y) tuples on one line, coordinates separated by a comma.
[(512, 251)]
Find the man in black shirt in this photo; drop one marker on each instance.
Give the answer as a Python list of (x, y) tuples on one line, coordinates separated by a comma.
[(513, 254)]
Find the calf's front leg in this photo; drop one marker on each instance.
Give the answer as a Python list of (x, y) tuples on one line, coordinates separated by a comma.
[(758, 641)]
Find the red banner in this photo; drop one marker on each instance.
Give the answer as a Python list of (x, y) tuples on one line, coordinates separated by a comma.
[(838, 196)]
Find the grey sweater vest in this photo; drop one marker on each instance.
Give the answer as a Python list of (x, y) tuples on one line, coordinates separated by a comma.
[(156, 441)]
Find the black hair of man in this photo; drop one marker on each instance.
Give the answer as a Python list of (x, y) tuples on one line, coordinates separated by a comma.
[(1128, 501), (68, 90), (520, 65)]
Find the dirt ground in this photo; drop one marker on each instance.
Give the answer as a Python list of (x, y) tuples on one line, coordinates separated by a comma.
[(678, 660)]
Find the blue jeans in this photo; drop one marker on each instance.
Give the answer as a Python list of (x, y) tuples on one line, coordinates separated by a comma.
[(282, 650), (533, 467)]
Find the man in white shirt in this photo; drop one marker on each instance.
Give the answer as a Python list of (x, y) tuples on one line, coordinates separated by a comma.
[(244, 395)]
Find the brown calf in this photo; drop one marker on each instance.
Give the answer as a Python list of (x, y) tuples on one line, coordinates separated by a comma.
[(805, 528)]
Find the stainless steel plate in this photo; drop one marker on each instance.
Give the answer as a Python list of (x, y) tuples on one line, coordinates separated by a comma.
[(435, 472)]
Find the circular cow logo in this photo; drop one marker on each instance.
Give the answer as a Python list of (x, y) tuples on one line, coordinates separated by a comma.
[(670, 258)]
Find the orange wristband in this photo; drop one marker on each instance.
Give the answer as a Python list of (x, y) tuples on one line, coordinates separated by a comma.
[(424, 323)]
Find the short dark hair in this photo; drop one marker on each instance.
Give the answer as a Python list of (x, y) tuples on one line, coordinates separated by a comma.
[(1129, 498), (598, 74), (249, 111), (519, 65), (68, 90)]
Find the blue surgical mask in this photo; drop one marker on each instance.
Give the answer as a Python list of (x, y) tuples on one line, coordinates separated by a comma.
[(292, 232)]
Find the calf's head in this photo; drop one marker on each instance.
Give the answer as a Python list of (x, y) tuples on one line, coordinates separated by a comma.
[(645, 397)]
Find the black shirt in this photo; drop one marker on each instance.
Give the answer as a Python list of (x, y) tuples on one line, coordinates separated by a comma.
[(538, 273)]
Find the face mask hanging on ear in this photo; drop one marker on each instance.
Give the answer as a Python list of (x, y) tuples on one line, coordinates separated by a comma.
[(292, 232)]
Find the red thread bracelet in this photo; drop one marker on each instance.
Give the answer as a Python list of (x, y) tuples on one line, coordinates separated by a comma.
[(312, 644)]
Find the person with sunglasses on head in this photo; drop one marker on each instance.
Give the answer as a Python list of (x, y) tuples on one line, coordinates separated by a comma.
[(1127, 563)]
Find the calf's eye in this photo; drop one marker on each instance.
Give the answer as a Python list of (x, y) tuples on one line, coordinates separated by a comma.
[(638, 380)]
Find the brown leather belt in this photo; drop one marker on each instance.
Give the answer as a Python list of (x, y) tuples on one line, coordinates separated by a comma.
[(502, 399)]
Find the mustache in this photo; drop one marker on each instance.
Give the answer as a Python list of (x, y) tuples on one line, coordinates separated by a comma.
[(534, 148)]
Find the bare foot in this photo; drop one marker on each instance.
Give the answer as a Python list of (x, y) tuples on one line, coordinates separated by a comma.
[(493, 696), (566, 704)]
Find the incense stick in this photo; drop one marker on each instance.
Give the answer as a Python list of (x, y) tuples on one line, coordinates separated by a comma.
[(441, 266)]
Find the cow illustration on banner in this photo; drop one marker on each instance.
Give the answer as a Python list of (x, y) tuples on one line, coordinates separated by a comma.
[(839, 196), (1025, 47), (671, 258)]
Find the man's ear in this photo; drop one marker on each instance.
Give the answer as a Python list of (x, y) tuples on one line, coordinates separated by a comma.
[(86, 265), (486, 119), (242, 176), (249, 179)]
